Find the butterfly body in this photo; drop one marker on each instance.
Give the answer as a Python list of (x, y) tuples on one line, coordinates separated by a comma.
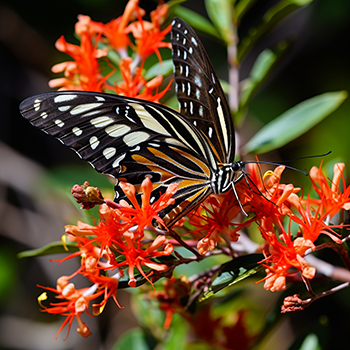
[(131, 139)]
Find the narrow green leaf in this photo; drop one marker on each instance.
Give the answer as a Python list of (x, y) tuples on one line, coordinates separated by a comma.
[(197, 22), (242, 8), (233, 272), (263, 66), (294, 122), (134, 339), (51, 248), (270, 20), (220, 12), (164, 68)]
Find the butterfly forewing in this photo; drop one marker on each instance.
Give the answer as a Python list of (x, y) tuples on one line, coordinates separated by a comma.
[(129, 139), (200, 95)]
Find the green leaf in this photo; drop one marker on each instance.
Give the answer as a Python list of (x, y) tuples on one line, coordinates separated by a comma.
[(176, 337), (164, 68), (197, 22), (220, 12), (263, 65), (242, 8), (134, 339), (270, 20), (233, 272), (294, 122), (51, 248)]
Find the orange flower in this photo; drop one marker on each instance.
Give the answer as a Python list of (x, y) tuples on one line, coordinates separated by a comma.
[(83, 73), (215, 221), (331, 196), (284, 256), (130, 247), (77, 302), (115, 31), (135, 85), (149, 37), (142, 216)]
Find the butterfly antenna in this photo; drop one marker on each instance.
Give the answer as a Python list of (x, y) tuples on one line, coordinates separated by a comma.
[(290, 160), (248, 180)]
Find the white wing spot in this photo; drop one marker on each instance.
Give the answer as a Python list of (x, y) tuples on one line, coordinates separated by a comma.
[(77, 131), (181, 69), (185, 31), (213, 78), (185, 55), (187, 71), (184, 41), (109, 152), (137, 148), (190, 50), (210, 132), (179, 25), (100, 98), (37, 104), (191, 107), (211, 90), (134, 138), (200, 111), (198, 94), (43, 115), (198, 81), (101, 122), (188, 88), (84, 108), (117, 130), (154, 144), (94, 142), (63, 108), (118, 160), (195, 123), (59, 123), (194, 41), (64, 98), (178, 53)]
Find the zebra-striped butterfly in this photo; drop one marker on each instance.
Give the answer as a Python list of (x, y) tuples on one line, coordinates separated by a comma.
[(131, 139)]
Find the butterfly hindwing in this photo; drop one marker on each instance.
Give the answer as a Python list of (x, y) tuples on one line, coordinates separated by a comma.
[(200, 95)]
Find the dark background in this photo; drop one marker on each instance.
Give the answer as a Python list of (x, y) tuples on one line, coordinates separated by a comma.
[(29, 217)]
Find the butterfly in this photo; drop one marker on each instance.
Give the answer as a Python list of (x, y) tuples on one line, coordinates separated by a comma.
[(131, 139)]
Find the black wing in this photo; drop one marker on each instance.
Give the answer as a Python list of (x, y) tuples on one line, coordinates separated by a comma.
[(200, 95), (130, 139)]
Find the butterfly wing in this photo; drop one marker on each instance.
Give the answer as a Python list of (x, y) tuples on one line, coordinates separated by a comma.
[(200, 95), (129, 139)]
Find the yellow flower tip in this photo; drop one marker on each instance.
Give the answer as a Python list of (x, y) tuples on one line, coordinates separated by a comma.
[(64, 242), (268, 173), (42, 297), (97, 309)]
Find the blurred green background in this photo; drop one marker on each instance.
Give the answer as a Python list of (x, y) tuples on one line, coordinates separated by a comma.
[(34, 207)]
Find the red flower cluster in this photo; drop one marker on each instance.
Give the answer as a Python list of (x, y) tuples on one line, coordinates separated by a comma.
[(98, 40)]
